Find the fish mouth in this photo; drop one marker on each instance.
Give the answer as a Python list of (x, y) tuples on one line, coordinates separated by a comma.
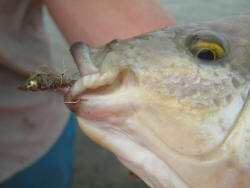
[(97, 80), (82, 90), (92, 78)]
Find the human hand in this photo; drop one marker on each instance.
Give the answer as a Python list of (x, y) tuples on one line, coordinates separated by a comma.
[(99, 22)]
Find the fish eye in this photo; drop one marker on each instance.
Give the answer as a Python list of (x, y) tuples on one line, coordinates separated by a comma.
[(207, 51)]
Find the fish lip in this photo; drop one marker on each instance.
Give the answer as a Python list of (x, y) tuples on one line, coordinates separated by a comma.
[(74, 101), (81, 55)]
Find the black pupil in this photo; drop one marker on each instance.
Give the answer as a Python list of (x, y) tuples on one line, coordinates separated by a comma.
[(206, 55)]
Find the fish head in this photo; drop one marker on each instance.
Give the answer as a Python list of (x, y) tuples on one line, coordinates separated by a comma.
[(173, 105)]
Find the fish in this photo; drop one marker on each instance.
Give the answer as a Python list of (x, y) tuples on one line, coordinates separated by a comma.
[(173, 105)]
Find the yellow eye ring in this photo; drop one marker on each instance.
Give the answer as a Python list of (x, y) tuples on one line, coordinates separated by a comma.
[(207, 51)]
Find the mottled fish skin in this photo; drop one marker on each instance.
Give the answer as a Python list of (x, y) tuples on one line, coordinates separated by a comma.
[(170, 117)]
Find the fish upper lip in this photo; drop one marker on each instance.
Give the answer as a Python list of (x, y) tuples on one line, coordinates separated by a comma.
[(104, 89), (93, 78)]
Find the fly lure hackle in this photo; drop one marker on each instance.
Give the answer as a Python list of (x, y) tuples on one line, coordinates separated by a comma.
[(46, 81)]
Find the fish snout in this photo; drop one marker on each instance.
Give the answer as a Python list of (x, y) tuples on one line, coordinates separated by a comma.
[(103, 92)]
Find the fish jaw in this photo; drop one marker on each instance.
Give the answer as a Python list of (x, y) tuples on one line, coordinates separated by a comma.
[(112, 107), (107, 116)]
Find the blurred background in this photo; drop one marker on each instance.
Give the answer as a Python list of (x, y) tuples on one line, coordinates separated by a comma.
[(95, 167)]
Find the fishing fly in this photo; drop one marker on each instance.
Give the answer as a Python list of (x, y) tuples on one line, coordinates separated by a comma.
[(46, 81)]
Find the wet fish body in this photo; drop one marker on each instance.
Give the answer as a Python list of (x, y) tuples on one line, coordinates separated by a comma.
[(173, 105)]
